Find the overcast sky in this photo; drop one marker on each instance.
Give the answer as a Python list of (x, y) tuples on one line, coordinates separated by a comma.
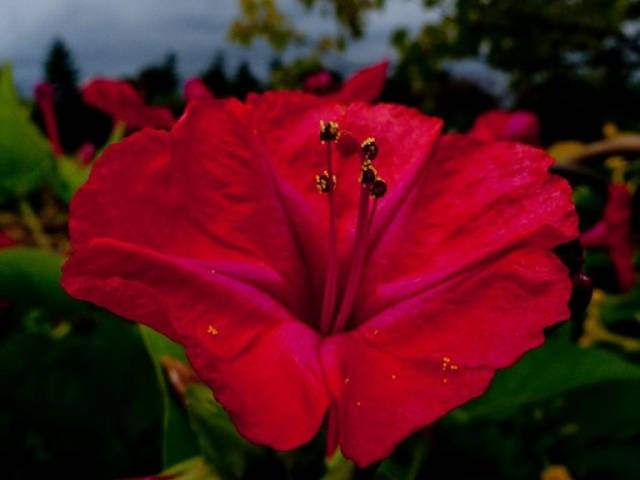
[(117, 37)]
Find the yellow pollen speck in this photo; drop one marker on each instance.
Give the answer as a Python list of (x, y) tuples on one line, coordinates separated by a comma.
[(212, 330)]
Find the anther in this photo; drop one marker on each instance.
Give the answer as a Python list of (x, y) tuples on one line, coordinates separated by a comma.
[(368, 175), (379, 188), (369, 148), (325, 183), (329, 131)]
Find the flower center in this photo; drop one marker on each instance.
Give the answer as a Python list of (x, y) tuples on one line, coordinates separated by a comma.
[(372, 188)]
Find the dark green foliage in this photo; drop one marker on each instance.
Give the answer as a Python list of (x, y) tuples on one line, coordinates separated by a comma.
[(239, 84), (78, 123), (159, 83)]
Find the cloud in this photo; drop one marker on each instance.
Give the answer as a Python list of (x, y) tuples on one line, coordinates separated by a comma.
[(117, 37)]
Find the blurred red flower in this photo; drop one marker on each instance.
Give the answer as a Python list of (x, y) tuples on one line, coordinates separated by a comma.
[(320, 83), (6, 240), (613, 233), (124, 104), (365, 85), (196, 89), (45, 93), (214, 234), (518, 126)]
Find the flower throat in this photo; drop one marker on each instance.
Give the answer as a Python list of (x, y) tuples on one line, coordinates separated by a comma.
[(372, 188)]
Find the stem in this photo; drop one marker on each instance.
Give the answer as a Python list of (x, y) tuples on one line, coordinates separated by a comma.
[(359, 254), (117, 133), (628, 144), (330, 285), (32, 221), (372, 214)]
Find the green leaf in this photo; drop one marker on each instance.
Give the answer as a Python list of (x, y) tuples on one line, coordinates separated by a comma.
[(220, 443), (621, 307), (193, 469), (26, 158), (85, 405), (179, 442), (69, 175), (557, 367), (29, 276), (339, 468)]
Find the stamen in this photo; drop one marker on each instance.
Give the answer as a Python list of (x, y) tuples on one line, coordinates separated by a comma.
[(368, 174), (329, 133), (371, 185), (379, 188), (357, 262), (369, 148), (325, 182)]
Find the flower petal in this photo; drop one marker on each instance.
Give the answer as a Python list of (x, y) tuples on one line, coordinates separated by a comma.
[(417, 360), (120, 100), (212, 199), (517, 126), (405, 138), (262, 363), (364, 86), (474, 203), (461, 281)]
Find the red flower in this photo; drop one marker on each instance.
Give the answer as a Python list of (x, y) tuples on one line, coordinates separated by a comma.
[(519, 126), (6, 240), (196, 89), (613, 233), (86, 153), (120, 100), (44, 93), (365, 85), (320, 83), (215, 235)]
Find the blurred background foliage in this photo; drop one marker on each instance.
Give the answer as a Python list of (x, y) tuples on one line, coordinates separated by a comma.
[(88, 395), (560, 56)]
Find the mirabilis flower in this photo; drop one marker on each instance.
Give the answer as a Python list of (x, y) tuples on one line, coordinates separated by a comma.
[(365, 85), (517, 126), (613, 233), (196, 90), (372, 274), (124, 104)]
